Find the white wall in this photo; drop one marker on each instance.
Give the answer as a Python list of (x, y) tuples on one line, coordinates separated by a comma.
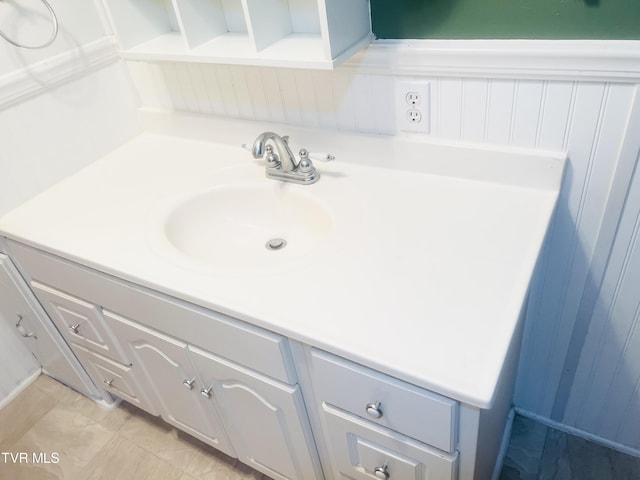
[(29, 22), (55, 133), (60, 108), (585, 112)]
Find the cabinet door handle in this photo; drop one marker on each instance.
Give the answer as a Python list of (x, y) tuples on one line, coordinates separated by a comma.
[(109, 383), (207, 392), (189, 383), (374, 410), (381, 472), (75, 328), (23, 331)]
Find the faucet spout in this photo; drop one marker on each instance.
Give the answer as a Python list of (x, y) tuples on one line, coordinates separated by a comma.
[(286, 156), (281, 162)]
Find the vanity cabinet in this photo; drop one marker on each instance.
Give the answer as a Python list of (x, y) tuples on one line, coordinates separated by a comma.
[(83, 326), (230, 384), (290, 33), (378, 427), (266, 419), (198, 391), (167, 372), (290, 410), (20, 309)]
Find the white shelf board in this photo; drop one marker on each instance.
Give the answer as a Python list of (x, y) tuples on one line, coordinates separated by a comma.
[(227, 45), (297, 50), (296, 47), (170, 43)]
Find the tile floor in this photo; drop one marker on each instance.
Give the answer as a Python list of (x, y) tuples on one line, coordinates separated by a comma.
[(94, 444), (125, 443), (537, 452)]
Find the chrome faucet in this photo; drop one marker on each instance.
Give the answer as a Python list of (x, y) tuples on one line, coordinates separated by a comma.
[(282, 163)]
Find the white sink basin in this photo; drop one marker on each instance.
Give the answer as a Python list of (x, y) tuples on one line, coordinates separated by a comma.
[(242, 225)]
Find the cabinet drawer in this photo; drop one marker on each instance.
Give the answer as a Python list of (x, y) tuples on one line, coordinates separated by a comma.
[(362, 451), (417, 413), (117, 379), (80, 322), (235, 340)]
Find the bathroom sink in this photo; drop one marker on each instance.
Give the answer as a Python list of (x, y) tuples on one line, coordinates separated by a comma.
[(247, 225)]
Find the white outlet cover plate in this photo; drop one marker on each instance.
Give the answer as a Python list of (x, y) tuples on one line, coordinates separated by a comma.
[(402, 88)]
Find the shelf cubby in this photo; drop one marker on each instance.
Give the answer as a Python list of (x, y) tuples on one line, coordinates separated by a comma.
[(206, 20), (146, 22), (289, 33)]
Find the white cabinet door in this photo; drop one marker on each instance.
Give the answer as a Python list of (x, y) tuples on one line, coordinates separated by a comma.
[(164, 362), (265, 419)]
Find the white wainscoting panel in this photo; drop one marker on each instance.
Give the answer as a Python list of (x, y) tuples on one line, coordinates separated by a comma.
[(562, 270), (587, 118), (605, 394)]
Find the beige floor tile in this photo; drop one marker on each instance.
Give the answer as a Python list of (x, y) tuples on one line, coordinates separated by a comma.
[(16, 471), (210, 464), (95, 444), (244, 472), (159, 438), (111, 418), (75, 438), (122, 459), (22, 413), (186, 476), (59, 391)]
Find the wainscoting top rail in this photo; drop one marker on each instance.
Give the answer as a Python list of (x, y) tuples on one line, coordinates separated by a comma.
[(584, 60), (50, 72)]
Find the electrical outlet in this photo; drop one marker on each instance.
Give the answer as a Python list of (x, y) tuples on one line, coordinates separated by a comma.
[(414, 116), (413, 98), (412, 106)]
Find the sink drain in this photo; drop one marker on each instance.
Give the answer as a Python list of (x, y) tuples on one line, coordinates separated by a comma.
[(276, 244)]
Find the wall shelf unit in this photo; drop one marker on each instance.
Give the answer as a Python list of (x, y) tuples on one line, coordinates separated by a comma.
[(284, 33)]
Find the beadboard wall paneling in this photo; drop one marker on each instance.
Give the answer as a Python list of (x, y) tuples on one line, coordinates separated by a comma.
[(587, 119), (337, 99), (594, 136), (605, 394)]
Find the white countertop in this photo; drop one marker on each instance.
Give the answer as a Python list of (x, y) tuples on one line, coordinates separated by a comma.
[(424, 274)]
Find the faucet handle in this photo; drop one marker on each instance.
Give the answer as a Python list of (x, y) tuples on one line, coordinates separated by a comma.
[(321, 157)]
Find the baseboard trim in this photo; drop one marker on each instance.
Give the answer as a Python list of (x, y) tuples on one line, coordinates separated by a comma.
[(579, 433), (502, 453), (22, 386)]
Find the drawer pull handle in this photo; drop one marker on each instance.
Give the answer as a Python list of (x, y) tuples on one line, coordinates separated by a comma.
[(374, 410), (23, 331), (381, 473), (189, 383), (207, 392), (109, 383), (74, 328)]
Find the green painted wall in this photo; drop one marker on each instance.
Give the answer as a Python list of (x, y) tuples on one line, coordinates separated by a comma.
[(543, 19)]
